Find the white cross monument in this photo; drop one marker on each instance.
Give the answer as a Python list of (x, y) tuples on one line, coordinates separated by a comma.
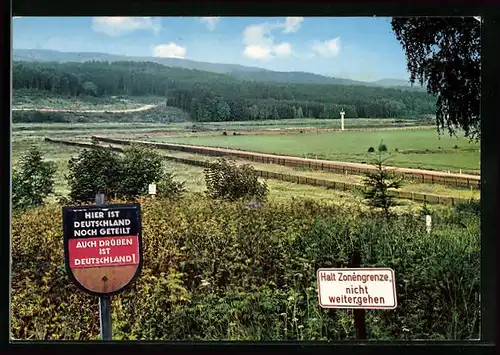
[(342, 113)]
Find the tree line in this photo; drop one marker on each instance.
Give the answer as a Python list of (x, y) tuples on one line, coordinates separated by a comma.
[(219, 97)]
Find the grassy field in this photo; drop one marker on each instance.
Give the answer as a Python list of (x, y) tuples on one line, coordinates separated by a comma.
[(163, 121), (194, 179), (309, 123), (409, 186), (422, 149)]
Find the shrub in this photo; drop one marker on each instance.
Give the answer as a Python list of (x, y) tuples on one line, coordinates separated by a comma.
[(96, 170), (124, 176), (371, 150), (139, 167), (215, 270), (167, 187), (382, 147), (33, 181), (226, 180)]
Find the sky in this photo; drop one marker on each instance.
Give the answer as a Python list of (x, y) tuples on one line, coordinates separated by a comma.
[(359, 48)]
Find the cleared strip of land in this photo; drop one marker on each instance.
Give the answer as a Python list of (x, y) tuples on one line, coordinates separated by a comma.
[(424, 176), (299, 179), (138, 109)]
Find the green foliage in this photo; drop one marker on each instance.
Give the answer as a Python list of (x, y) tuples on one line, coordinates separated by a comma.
[(378, 185), (226, 180), (426, 210), (219, 97), (382, 148), (444, 53), (215, 270), (167, 187), (139, 167), (119, 176), (33, 181), (38, 117), (96, 170)]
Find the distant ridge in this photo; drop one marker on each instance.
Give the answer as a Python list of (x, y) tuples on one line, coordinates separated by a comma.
[(239, 71)]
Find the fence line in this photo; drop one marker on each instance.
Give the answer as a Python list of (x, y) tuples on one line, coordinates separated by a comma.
[(298, 179), (429, 177)]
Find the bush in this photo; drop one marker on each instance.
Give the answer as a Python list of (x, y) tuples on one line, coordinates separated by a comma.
[(33, 181), (139, 167), (96, 170), (124, 176), (382, 147), (167, 187), (371, 150), (215, 270), (226, 180)]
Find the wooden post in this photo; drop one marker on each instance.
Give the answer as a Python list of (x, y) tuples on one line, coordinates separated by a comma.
[(104, 301), (359, 314)]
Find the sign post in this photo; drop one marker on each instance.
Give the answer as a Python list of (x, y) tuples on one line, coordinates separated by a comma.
[(358, 314), (103, 251), (104, 301), (105, 318)]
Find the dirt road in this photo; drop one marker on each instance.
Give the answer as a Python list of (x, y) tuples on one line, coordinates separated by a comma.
[(142, 108)]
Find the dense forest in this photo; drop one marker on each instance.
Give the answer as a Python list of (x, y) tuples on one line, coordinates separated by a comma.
[(210, 96)]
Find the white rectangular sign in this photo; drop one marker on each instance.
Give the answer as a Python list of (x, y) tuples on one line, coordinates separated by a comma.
[(152, 189), (357, 288)]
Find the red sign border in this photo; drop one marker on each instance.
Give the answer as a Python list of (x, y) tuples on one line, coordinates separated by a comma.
[(356, 269)]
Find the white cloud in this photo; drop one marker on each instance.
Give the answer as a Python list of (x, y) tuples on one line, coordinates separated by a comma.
[(117, 26), (259, 42), (283, 49), (292, 24), (211, 22), (257, 52), (169, 50), (329, 48)]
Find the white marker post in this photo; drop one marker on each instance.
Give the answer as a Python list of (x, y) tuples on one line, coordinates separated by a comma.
[(342, 113), (428, 223), (152, 190)]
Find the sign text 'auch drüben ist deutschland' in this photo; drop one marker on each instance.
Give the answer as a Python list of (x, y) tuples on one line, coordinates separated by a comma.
[(103, 246)]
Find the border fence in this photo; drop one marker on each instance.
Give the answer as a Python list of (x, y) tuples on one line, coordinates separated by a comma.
[(424, 176), (298, 179)]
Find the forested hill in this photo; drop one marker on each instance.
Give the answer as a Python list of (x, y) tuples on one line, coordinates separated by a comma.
[(238, 71), (210, 96)]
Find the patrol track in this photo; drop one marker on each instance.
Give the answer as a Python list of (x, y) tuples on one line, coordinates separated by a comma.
[(416, 175), (138, 109), (298, 179)]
